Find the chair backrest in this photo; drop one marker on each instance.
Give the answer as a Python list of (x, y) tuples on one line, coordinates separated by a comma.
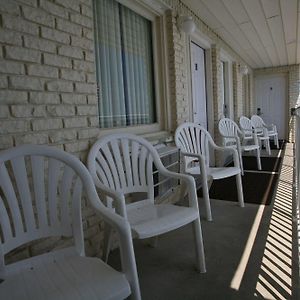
[(257, 121), (193, 138), (124, 163), (228, 129), (40, 196), (246, 125)]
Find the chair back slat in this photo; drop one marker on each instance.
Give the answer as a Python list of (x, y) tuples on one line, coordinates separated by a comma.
[(66, 194), (246, 125), (123, 163), (103, 171), (36, 195), (38, 177), (127, 161), (134, 162), (143, 157), (76, 228), (22, 185), (228, 129), (53, 177), (257, 122), (12, 205), (115, 150), (5, 224), (108, 156), (193, 138)]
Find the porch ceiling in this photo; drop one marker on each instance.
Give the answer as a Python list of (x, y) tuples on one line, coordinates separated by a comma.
[(265, 33)]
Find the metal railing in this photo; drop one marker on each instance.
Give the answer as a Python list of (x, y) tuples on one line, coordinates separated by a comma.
[(296, 113), (296, 211)]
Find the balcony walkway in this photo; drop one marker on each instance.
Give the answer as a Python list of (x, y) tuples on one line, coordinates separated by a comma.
[(251, 253)]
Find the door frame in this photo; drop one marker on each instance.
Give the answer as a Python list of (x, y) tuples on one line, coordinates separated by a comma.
[(205, 43), (286, 104)]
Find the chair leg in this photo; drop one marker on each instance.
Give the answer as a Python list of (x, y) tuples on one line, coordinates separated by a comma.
[(267, 144), (240, 189), (241, 163), (276, 141), (258, 159), (199, 246), (206, 198)]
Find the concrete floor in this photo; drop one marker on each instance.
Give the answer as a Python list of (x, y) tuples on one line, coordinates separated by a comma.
[(249, 251)]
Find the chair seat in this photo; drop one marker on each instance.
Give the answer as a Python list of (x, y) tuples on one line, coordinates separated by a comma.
[(216, 173), (250, 147), (73, 278), (150, 220)]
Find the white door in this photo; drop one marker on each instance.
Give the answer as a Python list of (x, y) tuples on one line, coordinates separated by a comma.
[(198, 85), (271, 101)]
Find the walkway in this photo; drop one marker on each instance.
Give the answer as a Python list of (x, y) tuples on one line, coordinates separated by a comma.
[(251, 253)]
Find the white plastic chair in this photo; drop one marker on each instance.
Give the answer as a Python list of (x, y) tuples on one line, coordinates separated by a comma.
[(40, 196), (194, 141), (259, 124), (248, 129), (122, 164), (233, 136)]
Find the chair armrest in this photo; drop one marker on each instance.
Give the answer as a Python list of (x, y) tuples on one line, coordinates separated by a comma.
[(122, 226), (187, 179), (223, 149), (116, 196)]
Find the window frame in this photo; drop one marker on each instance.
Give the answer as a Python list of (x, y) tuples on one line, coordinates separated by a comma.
[(157, 19)]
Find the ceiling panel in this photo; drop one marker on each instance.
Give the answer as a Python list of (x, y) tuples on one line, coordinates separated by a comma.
[(273, 55), (217, 8), (236, 46), (239, 37), (263, 32), (206, 16), (258, 20), (276, 28), (271, 8), (255, 42), (289, 18), (291, 53), (237, 11)]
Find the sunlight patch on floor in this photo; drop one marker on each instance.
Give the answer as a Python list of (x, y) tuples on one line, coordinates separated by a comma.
[(275, 276)]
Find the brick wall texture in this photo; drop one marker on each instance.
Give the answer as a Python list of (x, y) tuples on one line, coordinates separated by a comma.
[(48, 83)]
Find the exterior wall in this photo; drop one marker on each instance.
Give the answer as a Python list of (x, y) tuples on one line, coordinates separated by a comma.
[(177, 73), (47, 84), (293, 86), (217, 90), (238, 105)]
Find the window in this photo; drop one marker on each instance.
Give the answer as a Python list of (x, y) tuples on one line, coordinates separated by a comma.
[(124, 66)]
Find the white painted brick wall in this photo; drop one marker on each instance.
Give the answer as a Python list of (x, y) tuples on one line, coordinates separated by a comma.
[(47, 84)]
